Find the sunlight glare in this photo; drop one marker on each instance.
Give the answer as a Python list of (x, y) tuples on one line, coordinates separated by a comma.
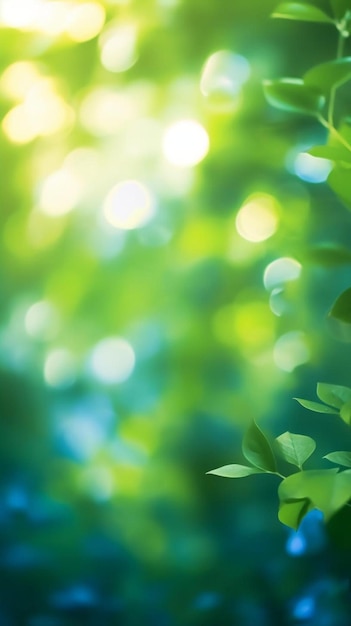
[(118, 48), (85, 21), (60, 193), (281, 271), (112, 360), (185, 143), (257, 220), (128, 205)]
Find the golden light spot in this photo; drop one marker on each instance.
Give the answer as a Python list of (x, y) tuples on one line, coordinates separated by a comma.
[(129, 205), (258, 218), (105, 111), (18, 78), (18, 126), (60, 193), (185, 143), (85, 21)]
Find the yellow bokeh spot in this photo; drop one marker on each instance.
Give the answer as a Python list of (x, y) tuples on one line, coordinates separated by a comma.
[(258, 218), (60, 193), (185, 143), (18, 78), (18, 126), (248, 324), (128, 205), (43, 112), (85, 21), (105, 111)]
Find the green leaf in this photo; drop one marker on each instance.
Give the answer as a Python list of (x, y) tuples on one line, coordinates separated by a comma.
[(332, 153), (341, 308), (326, 489), (295, 449), (335, 395), (345, 413), (316, 406), (292, 512), (340, 7), (329, 255), (257, 449), (342, 458), (339, 181), (235, 471), (301, 11), (291, 94), (328, 75)]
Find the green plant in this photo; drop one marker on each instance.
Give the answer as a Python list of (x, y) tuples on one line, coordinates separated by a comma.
[(315, 95)]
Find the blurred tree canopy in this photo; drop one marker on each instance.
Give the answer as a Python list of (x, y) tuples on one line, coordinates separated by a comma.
[(165, 280)]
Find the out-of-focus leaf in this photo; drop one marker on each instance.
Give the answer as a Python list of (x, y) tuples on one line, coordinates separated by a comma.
[(341, 457), (340, 7), (328, 75), (327, 490), (292, 512), (335, 395), (235, 471), (341, 308), (295, 449), (257, 449), (329, 255), (301, 11), (345, 413), (339, 181), (332, 153), (291, 94), (315, 406)]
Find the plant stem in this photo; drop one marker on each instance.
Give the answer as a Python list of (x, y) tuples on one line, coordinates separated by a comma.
[(339, 54), (334, 132)]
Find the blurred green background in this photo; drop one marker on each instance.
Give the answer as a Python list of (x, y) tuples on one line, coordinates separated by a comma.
[(159, 290)]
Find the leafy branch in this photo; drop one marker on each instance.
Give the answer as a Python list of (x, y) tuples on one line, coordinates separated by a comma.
[(315, 95)]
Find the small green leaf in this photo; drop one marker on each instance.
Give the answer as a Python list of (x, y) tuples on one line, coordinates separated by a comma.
[(339, 181), (329, 255), (332, 153), (326, 489), (291, 94), (328, 75), (235, 471), (335, 395), (295, 449), (316, 406), (341, 458), (301, 11), (291, 512), (345, 413), (341, 308), (257, 449)]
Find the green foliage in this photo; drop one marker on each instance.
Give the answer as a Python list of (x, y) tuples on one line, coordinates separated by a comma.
[(257, 449), (314, 94), (328, 75), (293, 95), (340, 458), (341, 308), (235, 471), (295, 449), (301, 11)]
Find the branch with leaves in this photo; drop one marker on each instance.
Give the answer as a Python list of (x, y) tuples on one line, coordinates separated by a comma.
[(314, 94)]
